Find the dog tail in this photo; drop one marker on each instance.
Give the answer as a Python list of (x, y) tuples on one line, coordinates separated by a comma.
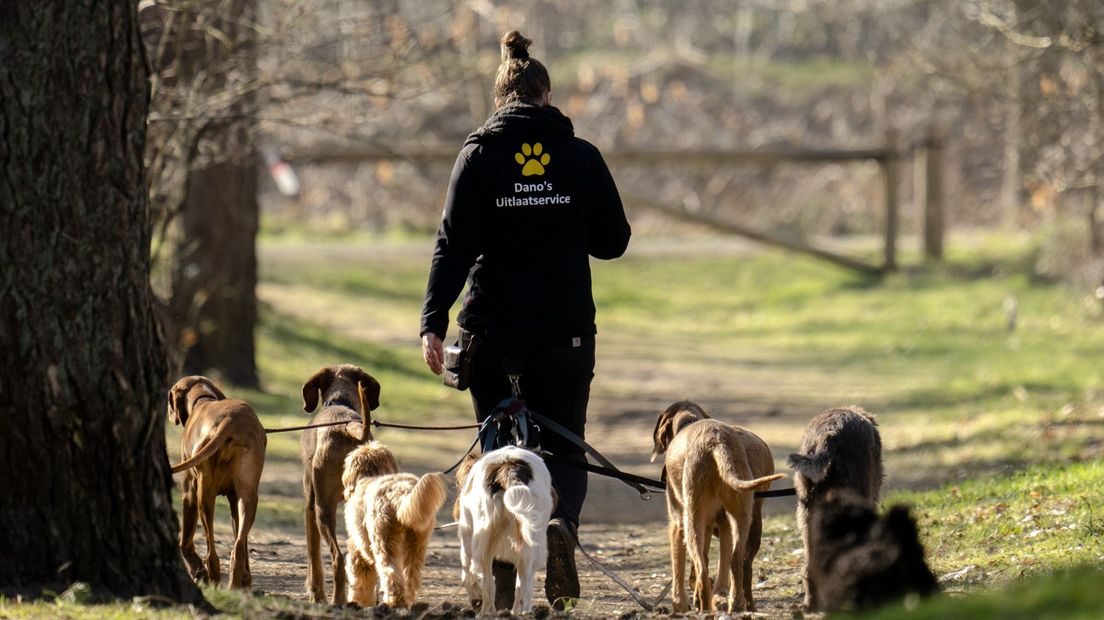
[(524, 504), (812, 466), (727, 470), (418, 509), (219, 437)]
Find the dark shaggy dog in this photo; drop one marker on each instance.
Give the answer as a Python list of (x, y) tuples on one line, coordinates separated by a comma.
[(840, 451), (860, 560)]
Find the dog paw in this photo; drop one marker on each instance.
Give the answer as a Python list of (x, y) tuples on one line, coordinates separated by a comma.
[(532, 160)]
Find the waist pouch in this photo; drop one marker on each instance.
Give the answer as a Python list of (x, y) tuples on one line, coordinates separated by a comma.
[(458, 361)]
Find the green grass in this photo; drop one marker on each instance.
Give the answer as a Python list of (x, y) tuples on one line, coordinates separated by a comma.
[(992, 435), (1067, 594)]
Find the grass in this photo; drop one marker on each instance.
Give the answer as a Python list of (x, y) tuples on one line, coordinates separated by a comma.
[(992, 435)]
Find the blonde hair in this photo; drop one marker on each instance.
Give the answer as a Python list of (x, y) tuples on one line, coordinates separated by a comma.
[(520, 78)]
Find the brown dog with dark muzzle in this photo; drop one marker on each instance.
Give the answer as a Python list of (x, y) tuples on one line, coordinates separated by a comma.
[(712, 471), (347, 394), (223, 447)]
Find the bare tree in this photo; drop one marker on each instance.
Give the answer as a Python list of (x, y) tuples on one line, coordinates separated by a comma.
[(85, 490)]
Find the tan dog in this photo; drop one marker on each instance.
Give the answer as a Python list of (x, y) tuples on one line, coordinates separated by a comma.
[(223, 447), (347, 393), (390, 518), (711, 483), (671, 421)]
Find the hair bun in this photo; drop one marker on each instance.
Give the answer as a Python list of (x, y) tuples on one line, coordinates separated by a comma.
[(516, 46)]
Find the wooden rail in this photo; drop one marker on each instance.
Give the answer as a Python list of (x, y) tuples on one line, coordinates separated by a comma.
[(889, 158), (436, 153)]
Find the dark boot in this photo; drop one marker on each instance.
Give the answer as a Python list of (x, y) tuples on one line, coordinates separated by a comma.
[(561, 580), (505, 576)]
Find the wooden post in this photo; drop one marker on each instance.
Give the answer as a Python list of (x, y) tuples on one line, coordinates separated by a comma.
[(891, 169), (934, 223)]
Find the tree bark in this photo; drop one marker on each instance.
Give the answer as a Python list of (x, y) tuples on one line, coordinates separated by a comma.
[(85, 484)]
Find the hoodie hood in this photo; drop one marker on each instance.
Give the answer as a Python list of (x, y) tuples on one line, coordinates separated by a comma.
[(522, 120)]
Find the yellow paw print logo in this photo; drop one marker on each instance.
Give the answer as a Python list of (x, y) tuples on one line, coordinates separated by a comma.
[(534, 166)]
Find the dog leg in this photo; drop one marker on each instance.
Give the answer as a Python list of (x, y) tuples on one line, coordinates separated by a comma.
[(482, 554), (326, 519), (678, 564), (755, 536), (415, 560), (392, 580), (315, 580), (810, 588), (721, 586), (363, 580), (467, 565), (207, 517), (240, 576), (523, 588), (697, 545), (736, 597), (189, 517)]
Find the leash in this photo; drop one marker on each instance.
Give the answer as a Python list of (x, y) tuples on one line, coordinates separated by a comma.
[(269, 431), (640, 600), (578, 441), (648, 482), (604, 471), (377, 424), (415, 427)]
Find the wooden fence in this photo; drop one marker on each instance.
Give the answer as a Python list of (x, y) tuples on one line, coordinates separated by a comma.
[(927, 151)]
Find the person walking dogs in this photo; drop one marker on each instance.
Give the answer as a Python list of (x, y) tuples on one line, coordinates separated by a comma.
[(527, 205)]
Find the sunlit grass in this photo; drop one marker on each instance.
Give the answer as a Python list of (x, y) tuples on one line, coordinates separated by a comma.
[(992, 434)]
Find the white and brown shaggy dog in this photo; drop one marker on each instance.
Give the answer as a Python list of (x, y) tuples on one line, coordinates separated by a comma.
[(505, 503), (389, 517)]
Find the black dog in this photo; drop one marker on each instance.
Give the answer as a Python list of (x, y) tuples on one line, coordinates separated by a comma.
[(840, 451), (861, 561)]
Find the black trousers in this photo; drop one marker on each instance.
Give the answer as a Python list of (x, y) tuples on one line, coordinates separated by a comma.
[(556, 372)]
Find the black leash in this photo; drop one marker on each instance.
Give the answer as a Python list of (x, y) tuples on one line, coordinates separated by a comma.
[(641, 480), (604, 471), (557, 428)]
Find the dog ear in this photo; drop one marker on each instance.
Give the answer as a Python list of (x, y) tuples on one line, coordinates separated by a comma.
[(661, 435), (812, 466), (369, 390), (314, 387), (178, 400), (369, 400)]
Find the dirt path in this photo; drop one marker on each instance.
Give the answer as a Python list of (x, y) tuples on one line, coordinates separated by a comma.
[(624, 532)]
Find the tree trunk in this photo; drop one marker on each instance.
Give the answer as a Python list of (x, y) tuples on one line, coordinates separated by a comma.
[(215, 267), (85, 484), (218, 262), (1011, 180)]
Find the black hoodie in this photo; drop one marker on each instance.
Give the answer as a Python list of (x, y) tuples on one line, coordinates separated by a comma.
[(526, 205)]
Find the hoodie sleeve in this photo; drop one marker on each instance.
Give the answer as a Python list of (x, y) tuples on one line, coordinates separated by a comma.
[(457, 246), (608, 229)]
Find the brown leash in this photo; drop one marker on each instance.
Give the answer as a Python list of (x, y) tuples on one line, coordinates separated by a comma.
[(415, 427), (375, 423), (303, 428)]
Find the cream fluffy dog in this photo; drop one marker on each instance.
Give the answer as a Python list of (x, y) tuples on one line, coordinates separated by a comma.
[(505, 503), (389, 517)]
